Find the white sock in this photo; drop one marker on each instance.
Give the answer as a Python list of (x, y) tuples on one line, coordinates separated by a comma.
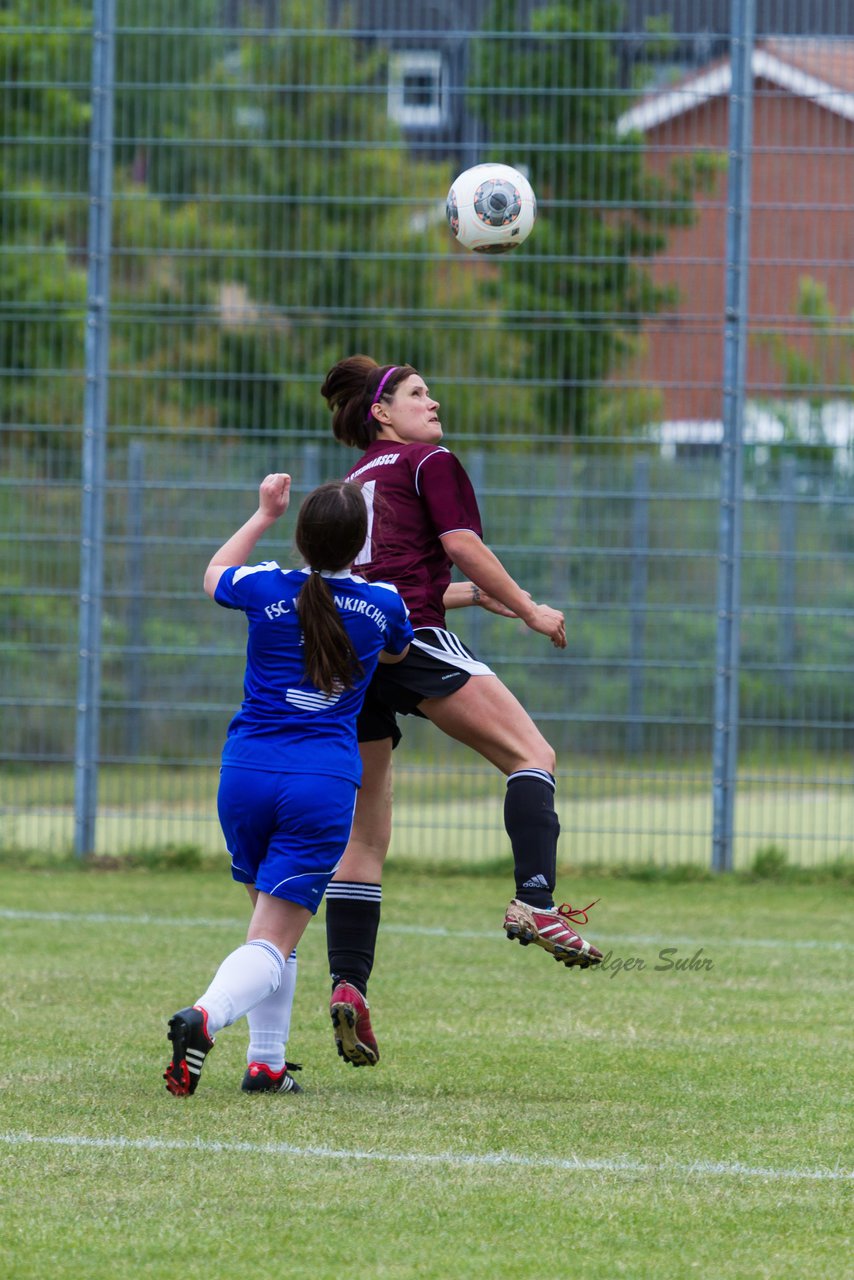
[(270, 1021), (244, 979)]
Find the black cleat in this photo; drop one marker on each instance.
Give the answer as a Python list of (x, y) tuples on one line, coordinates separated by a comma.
[(191, 1044), (260, 1079)]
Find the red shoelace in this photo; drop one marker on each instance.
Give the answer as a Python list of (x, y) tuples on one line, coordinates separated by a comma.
[(578, 915)]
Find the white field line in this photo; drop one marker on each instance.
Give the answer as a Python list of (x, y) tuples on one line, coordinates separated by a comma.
[(417, 930), (499, 1159)]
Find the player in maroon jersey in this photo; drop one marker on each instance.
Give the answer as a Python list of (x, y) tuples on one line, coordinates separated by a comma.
[(422, 520)]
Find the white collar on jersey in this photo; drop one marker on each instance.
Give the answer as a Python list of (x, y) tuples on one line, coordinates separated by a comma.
[(338, 573)]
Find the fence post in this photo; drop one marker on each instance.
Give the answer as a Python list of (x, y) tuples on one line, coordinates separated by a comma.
[(787, 571), (637, 602), (94, 427), (309, 467), (725, 749), (136, 585)]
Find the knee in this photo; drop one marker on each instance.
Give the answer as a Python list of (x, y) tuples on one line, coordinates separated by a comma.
[(541, 756), (543, 761), (363, 861)]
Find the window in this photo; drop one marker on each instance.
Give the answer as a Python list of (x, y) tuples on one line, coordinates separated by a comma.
[(416, 94)]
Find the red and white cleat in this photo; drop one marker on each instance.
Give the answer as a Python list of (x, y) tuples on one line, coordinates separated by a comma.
[(551, 928), (351, 1023)]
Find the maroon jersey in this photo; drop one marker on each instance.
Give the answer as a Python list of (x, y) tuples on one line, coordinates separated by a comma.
[(415, 493)]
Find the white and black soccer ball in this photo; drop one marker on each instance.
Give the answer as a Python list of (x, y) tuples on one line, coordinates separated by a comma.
[(491, 208)]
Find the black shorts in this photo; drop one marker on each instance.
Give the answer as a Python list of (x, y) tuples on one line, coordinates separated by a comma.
[(438, 663)]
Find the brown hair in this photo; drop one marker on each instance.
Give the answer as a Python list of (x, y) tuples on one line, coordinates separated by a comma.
[(350, 390), (332, 526)]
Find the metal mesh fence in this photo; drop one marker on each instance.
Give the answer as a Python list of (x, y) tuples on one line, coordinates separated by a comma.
[(203, 210)]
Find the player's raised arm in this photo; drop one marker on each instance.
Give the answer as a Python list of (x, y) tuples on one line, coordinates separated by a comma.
[(274, 494)]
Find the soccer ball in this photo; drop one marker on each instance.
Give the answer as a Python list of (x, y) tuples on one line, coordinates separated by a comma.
[(491, 208)]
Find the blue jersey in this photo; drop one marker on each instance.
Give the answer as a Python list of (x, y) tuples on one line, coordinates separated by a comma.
[(286, 724)]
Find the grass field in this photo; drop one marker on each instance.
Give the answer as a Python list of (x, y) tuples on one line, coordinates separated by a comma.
[(643, 1122)]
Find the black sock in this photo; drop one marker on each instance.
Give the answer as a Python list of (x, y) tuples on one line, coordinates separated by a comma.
[(352, 921), (533, 828)]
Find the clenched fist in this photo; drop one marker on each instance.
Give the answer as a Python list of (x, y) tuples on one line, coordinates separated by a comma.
[(274, 494)]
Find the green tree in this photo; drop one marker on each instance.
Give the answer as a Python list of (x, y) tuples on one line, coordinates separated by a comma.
[(817, 368), (274, 154), (268, 218), (586, 290), (43, 165), (44, 174), (158, 70)]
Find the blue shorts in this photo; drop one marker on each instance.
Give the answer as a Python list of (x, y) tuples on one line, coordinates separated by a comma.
[(286, 832)]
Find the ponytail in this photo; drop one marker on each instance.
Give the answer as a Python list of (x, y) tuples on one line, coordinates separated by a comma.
[(351, 389), (331, 663), (332, 526)]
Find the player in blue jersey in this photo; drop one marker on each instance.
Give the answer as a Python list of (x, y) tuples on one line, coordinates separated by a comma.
[(290, 765)]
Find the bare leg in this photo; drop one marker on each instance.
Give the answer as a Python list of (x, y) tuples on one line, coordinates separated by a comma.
[(278, 921), (487, 717), (371, 835)]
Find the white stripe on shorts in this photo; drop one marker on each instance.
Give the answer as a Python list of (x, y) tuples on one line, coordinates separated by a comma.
[(451, 650)]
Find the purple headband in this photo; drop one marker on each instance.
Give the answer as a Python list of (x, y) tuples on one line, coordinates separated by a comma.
[(379, 392)]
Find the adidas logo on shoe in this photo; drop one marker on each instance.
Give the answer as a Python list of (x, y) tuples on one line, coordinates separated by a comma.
[(191, 1044), (260, 1079)]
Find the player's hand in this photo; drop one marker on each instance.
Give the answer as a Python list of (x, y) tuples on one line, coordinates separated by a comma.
[(548, 622), (274, 494)]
